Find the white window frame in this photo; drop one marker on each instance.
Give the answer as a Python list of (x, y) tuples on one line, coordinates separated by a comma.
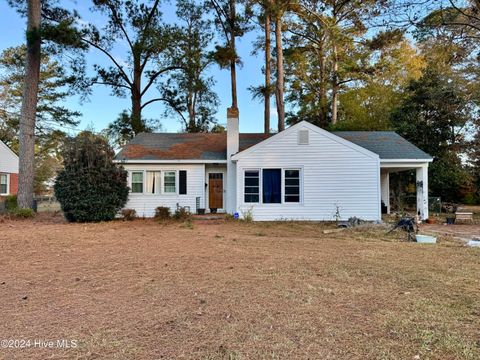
[(163, 182), (260, 190), (300, 187), (260, 186), (8, 183), (145, 192), (131, 181)]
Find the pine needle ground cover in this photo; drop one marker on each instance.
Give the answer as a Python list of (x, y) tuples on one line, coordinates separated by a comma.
[(230, 290)]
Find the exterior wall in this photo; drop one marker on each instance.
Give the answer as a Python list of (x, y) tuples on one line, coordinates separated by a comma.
[(13, 184), (8, 160), (334, 173), (145, 204), (9, 165)]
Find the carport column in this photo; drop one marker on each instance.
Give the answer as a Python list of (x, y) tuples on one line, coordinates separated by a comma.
[(422, 191), (233, 144), (385, 185)]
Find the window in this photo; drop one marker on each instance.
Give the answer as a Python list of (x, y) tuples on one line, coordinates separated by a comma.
[(137, 182), (153, 182), (3, 183), (252, 186), (292, 186), (169, 182), (272, 186), (182, 182)]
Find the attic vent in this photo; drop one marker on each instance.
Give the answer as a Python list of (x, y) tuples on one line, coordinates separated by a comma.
[(303, 138)]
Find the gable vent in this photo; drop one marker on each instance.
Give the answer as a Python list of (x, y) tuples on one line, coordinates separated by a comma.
[(303, 137)]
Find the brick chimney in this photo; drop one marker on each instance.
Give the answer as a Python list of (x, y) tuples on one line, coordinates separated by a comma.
[(233, 142)]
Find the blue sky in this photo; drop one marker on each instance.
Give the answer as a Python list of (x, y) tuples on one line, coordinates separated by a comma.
[(104, 108)]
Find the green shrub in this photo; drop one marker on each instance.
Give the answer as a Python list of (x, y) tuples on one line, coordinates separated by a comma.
[(182, 214), (23, 213), (90, 187), (11, 203), (162, 213), (129, 214)]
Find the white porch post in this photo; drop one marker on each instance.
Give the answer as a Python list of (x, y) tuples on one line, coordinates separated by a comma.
[(385, 187), (422, 191), (233, 144)]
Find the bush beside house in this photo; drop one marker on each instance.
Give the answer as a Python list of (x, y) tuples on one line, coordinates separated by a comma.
[(90, 187)]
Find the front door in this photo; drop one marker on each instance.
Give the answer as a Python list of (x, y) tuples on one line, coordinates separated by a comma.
[(215, 191)]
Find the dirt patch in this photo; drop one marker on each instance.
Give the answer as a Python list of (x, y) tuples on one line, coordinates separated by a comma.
[(228, 290), (464, 232)]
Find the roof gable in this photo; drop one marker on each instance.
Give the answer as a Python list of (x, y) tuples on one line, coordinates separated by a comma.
[(311, 127)]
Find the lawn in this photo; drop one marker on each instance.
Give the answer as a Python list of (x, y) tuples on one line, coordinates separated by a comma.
[(231, 290)]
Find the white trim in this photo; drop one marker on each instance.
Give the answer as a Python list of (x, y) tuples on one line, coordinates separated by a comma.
[(145, 183), (162, 182), (416, 161), (8, 183), (130, 178), (311, 127), (282, 186), (224, 188), (170, 161), (163, 192), (204, 189), (379, 191), (260, 187), (300, 187)]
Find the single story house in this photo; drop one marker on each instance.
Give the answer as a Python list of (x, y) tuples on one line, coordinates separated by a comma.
[(301, 173), (8, 171)]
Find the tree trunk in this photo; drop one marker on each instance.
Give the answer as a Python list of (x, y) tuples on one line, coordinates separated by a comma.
[(280, 80), (137, 124), (192, 124), (268, 56), (29, 106), (335, 86), (323, 105), (233, 62)]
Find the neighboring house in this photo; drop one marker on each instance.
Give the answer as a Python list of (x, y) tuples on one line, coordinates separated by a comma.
[(8, 171), (302, 173)]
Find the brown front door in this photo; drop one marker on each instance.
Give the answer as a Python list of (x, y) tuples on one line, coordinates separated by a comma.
[(215, 191)]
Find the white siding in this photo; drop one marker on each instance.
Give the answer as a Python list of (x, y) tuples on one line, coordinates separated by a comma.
[(8, 160), (145, 204), (334, 171)]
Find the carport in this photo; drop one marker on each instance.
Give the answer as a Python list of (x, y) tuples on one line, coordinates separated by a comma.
[(396, 155)]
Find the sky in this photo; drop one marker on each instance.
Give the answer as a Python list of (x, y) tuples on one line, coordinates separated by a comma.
[(103, 108)]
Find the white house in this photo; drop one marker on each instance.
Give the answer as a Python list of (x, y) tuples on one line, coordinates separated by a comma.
[(8, 171), (302, 173)]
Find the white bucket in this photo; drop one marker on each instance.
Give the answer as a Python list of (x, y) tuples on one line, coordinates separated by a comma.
[(426, 239)]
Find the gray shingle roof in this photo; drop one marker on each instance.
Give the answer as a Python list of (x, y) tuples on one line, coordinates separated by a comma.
[(387, 144), (201, 146)]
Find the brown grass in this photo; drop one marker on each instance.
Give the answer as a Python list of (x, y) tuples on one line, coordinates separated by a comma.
[(228, 290)]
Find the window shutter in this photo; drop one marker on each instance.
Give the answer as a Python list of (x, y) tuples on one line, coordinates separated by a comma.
[(183, 182)]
